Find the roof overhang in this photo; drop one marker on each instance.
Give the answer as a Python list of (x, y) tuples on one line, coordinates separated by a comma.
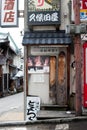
[(46, 38)]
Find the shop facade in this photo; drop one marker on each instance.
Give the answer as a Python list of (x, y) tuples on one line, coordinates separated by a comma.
[(47, 63)]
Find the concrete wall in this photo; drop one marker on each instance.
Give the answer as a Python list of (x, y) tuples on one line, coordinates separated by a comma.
[(64, 14)]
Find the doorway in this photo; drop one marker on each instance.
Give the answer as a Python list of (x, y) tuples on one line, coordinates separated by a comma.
[(58, 79)]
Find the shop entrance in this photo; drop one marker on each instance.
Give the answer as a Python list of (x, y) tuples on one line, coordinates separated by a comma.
[(58, 79), (48, 74)]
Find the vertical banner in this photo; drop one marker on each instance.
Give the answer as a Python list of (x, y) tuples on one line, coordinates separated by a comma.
[(33, 106), (85, 76), (83, 10), (9, 13)]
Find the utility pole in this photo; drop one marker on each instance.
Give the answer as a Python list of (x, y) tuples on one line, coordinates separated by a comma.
[(77, 53)]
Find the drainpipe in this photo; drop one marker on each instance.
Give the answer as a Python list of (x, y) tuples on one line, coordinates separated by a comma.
[(77, 52)]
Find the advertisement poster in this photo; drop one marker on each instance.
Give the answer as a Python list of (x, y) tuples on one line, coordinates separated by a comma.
[(38, 64)]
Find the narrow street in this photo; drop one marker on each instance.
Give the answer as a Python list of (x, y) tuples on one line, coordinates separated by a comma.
[(12, 110), (11, 107)]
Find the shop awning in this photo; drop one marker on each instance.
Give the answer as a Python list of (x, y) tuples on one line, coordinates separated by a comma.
[(43, 38)]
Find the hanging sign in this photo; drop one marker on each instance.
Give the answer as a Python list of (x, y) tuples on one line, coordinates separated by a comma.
[(9, 13)]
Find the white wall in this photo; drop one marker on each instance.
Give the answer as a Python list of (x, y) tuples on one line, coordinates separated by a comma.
[(39, 86), (64, 14)]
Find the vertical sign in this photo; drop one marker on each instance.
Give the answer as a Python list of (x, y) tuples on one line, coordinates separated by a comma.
[(84, 4), (9, 13), (33, 106), (85, 76), (83, 10)]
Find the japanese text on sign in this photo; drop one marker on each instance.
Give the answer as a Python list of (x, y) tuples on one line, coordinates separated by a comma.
[(83, 4), (33, 106), (9, 13), (40, 17)]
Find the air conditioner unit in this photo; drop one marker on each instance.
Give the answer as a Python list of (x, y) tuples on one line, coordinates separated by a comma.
[(83, 28), (71, 29)]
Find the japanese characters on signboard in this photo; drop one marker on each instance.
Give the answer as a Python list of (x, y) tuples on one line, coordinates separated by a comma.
[(9, 13), (33, 106), (43, 12), (83, 10)]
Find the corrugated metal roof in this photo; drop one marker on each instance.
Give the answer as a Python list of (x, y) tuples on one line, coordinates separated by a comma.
[(32, 38)]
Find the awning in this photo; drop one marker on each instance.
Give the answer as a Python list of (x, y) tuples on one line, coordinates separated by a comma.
[(49, 38)]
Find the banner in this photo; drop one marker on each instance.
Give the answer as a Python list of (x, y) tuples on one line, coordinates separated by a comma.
[(9, 13)]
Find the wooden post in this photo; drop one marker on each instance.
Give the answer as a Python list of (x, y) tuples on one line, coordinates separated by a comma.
[(25, 60), (77, 45)]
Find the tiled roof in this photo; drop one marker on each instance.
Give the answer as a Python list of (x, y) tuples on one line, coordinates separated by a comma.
[(36, 38)]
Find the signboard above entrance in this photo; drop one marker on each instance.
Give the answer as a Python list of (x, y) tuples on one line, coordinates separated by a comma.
[(43, 12)]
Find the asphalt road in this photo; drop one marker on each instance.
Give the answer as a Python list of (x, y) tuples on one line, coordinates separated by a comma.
[(12, 105), (11, 109)]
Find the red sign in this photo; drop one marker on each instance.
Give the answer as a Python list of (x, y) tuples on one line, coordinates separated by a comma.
[(84, 4), (85, 76), (9, 13)]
